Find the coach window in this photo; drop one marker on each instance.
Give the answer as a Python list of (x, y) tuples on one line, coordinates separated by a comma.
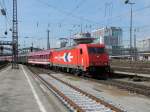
[(81, 51)]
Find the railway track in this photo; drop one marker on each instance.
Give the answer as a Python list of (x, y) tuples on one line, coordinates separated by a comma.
[(132, 70), (133, 67), (134, 88), (74, 98), (129, 86)]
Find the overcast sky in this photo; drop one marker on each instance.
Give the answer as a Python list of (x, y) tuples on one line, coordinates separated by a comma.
[(61, 16)]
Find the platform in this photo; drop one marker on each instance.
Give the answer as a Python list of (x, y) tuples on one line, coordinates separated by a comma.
[(20, 93)]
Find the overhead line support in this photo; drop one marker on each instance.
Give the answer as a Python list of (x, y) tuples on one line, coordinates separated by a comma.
[(15, 37)]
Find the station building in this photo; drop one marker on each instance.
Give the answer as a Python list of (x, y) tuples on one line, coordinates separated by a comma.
[(111, 37), (143, 47)]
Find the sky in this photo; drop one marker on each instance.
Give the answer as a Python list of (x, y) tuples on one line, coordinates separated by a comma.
[(65, 17)]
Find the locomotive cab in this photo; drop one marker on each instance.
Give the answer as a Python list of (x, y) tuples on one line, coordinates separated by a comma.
[(97, 58)]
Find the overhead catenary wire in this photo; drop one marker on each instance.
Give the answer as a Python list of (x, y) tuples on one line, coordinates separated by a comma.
[(73, 10), (127, 13), (88, 20), (67, 13)]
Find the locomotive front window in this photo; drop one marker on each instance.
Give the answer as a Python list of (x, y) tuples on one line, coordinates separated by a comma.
[(100, 50), (96, 50)]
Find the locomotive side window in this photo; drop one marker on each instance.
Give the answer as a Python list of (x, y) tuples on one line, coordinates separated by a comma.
[(96, 50), (81, 51)]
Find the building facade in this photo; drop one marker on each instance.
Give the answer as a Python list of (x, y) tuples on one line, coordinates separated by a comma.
[(143, 45), (111, 37)]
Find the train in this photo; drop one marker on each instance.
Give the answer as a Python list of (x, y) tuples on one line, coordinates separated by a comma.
[(80, 59)]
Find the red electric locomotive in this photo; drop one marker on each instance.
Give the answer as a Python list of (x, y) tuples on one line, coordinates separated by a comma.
[(87, 58)]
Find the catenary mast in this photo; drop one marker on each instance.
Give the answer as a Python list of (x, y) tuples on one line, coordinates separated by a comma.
[(15, 37)]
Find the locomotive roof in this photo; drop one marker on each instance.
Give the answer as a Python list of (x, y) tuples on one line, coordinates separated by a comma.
[(44, 52), (80, 45)]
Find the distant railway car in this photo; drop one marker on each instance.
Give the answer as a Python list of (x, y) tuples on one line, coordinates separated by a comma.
[(2, 58), (39, 57), (6, 58), (23, 58), (9, 58), (81, 58)]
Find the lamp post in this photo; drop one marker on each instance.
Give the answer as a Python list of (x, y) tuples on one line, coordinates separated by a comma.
[(135, 50), (48, 43), (131, 19), (70, 31)]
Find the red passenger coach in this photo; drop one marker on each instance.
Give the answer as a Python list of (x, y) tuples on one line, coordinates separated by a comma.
[(81, 58), (6, 58), (39, 57)]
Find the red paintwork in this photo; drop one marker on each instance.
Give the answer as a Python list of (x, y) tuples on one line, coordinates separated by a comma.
[(58, 57), (83, 60)]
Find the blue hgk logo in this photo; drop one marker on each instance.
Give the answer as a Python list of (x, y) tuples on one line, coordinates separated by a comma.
[(67, 57)]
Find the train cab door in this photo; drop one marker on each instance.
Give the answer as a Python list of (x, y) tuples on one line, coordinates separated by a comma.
[(80, 58)]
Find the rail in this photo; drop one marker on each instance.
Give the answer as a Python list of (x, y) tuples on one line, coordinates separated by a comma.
[(74, 98)]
